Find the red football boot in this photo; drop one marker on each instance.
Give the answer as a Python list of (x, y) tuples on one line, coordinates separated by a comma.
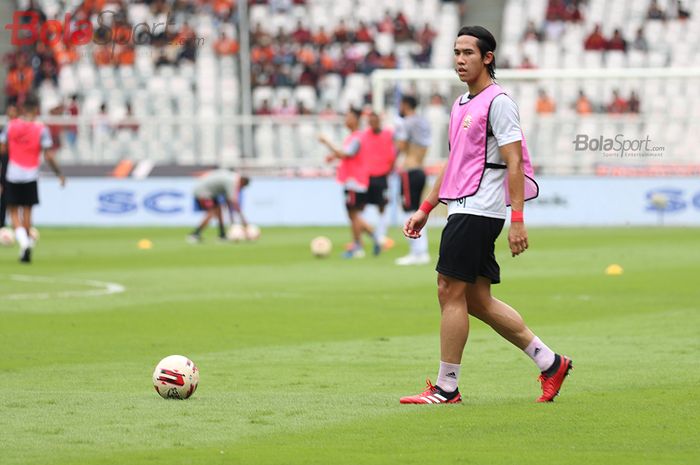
[(552, 383), (433, 395)]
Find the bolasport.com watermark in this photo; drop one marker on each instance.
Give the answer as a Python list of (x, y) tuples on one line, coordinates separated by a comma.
[(618, 146), (27, 29)]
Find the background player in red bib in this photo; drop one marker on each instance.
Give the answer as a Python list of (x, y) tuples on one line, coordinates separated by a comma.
[(381, 157), (12, 113), (353, 175), (25, 139)]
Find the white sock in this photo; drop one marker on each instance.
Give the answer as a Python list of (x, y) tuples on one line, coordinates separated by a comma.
[(380, 230), (448, 376), (420, 246), (22, 238), (540, 354)]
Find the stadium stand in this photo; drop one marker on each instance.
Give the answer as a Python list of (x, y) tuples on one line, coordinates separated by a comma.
[(605, 34), (174, 95), (305, 60)]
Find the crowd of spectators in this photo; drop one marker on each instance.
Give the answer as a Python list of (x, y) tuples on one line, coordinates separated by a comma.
[(113, 41), (279, 59), (584, 106), (560, 12), (303, 56)]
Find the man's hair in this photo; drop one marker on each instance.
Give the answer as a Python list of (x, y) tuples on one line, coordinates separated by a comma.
[(410, 100), (485, 41), (31, 103), (355, 111), (245, 180)]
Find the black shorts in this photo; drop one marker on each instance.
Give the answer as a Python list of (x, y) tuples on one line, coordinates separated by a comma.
[(24, 194), (355, 200), (207, 203), (412, 185), (376, 194), (467, 248)]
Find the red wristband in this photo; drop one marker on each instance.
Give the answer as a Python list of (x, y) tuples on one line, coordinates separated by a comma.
[(426, 207), (516, 216)]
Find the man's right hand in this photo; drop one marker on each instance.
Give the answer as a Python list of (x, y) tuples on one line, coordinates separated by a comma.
[(415, 224)]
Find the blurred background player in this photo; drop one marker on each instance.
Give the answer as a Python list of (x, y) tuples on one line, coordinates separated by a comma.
[(379, 145), (353, 175), (412, 139), (12, 113), (24, 140), (214, 189)]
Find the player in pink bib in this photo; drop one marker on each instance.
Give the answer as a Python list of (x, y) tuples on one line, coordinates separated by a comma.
[(353, 174), (379, 144), (489, 169), (24, 139)]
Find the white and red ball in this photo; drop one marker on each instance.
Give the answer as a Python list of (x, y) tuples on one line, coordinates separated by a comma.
[(253, 232), (7, 237), (235, 233), (321, 246), (176, 377)]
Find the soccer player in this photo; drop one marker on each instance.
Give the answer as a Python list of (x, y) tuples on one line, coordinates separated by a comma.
[(489, 167), (24, 139), (214, 189), (381, 156), (412, 138), (12, 113), (353, 174)]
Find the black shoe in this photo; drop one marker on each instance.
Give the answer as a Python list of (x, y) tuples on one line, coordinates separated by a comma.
[(26, 256)]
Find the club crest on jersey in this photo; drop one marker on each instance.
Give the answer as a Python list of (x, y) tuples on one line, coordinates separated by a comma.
[(467, 122)]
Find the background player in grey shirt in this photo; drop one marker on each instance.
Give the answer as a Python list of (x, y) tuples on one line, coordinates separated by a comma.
[(214, 189), (412, 138)]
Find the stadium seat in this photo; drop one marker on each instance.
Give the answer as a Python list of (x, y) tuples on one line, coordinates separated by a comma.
[(67, 80), (592, 59), (636, 59), (550, 55), (307, 95), (262, 93), (86, 76)]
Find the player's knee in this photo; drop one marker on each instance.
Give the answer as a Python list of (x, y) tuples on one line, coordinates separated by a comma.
[(448, 289)]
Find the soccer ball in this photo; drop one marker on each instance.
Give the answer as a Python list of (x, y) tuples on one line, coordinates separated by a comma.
[(321, 246), (7, 237), (235, 233), (34, 234), (176, 377), (253, 232)]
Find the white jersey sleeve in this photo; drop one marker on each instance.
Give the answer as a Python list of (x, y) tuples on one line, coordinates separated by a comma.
[(504, 120)]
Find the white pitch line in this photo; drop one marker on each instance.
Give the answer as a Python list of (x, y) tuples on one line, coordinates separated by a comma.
[(102, 288)]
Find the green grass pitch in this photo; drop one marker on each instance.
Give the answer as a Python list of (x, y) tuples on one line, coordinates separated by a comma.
[(303, 360)]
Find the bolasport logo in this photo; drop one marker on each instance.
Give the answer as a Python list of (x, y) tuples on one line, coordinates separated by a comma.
[(27, 29), (618, 146)]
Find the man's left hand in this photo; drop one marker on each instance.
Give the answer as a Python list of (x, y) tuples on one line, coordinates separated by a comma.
[(517, 238)]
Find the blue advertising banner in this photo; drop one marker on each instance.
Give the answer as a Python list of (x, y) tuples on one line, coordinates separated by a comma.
[(575, 201)]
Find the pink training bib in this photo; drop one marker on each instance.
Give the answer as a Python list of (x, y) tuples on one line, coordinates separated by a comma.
[(380, 151), (468, 138), (352, 171), (24, 143)]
